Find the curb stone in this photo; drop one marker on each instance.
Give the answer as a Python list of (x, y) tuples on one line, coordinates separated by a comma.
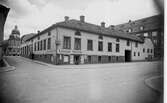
[(7, 68), (150, 84)]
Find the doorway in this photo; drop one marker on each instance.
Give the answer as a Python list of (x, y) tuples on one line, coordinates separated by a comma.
[(127, 55), (76, 59)]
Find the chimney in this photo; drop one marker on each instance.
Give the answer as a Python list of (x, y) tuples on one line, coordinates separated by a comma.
[(82, 18), (130, 21), (112, 27), (66, 18), (103, 24), (38, 31)]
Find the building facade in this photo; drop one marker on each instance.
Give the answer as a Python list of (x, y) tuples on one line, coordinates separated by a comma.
[(14, 40), (150, 27), (78, 42), (3, 15)]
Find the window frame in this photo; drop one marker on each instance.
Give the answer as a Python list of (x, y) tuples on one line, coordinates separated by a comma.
[(76, 44), (65, 43)]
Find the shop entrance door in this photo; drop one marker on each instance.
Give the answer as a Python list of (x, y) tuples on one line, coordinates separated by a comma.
[(76, 59)]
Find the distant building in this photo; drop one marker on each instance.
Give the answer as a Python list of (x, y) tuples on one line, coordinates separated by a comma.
[(78, 42), (150, 27), (26, 48), (14, 40), (3, 15)]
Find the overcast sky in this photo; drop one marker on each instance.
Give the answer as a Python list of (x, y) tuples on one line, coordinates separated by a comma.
[(34, 15)]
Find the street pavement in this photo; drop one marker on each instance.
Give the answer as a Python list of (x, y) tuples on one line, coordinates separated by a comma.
[(33, 82)]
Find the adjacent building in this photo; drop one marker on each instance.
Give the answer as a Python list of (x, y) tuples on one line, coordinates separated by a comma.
[(14, 40), (3, 15), (26, 45), (78, 42), (150, 27)]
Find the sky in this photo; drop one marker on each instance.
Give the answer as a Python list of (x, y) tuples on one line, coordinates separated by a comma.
[(33, 15)]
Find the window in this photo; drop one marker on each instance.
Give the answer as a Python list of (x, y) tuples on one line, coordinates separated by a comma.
[(38, 45), (77, 44), (41, 45), (49, 43), (99, 59), (117, 47), (138, 53), (151, 50), (45, 44), (78, 33), (110, 47), (148, 51), (128, 43), (90, 45), (100, 46), (143, 50), (136, 44), (35, 46), (134, 53), (67, 43), (117, 40), (100, 37)]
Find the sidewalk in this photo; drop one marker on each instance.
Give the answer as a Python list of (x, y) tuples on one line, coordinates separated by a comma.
[(7, 67), (156, 83)]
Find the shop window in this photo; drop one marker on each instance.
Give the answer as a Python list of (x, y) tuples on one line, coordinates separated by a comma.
[(99, 59)]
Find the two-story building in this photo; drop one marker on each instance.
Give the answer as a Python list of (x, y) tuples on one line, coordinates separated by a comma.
[(78, 42)]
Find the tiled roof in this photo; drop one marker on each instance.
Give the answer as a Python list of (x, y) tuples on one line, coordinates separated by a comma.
[(92, 28), (87, 27), (27, 36), (149, 23)]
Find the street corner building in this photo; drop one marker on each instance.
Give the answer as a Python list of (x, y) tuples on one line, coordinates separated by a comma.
[(79, 42), (14, 41)]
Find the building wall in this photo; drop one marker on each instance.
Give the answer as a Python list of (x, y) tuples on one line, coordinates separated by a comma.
[(58, 55)]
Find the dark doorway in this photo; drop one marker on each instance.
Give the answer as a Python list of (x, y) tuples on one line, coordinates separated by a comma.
[(127, 55), (76, 59)]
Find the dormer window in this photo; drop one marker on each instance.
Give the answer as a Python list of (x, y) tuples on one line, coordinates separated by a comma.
[(39, 38), (49, 33), (78, 33), (141, 28), (100, 37)]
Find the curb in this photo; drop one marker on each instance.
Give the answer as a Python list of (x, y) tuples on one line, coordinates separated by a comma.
[(150, 84), (7, 68)]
